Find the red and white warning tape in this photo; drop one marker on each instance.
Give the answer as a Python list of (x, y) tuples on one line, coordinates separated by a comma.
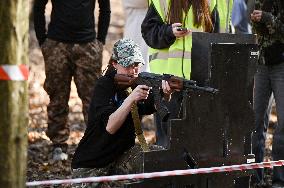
[(161, 174), (14, 72)]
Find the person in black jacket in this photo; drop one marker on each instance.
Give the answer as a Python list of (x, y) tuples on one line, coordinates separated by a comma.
[(71, 49), (108, 145), (268, 24)]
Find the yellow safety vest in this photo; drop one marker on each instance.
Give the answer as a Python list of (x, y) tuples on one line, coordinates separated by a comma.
[(176, 59), (224, 8)]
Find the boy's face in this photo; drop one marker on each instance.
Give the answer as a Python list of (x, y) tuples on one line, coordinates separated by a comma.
[(131, 70)]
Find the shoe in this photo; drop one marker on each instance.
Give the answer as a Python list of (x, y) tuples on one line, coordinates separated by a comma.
[(278, 185), (59, 155)]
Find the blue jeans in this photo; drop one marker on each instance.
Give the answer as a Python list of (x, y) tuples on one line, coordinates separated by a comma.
[(269, 80)]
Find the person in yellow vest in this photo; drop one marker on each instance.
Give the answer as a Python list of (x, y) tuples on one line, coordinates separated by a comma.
[(224, 8), (170, 47), (167, 29)]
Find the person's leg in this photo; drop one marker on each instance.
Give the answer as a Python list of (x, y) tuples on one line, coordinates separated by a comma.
[(161, 131), (175, 108), (88, 64), (57, 86), (131, 162), (90, 172), (262, 94), (277, 79)]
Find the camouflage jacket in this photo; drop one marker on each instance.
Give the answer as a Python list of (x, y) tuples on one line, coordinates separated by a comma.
[(271, 26)]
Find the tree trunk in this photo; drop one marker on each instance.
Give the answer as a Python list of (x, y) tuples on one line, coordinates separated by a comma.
[(14, 16), (31, 13)]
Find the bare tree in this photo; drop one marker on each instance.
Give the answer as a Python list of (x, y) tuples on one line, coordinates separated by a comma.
[(14, 19)]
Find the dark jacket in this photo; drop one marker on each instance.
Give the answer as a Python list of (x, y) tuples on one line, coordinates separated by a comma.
[(155, 32), (270, 31), (159, 35), (98, 148)]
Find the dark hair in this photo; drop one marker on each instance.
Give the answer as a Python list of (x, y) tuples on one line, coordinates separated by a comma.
[(110, 68), (201, 13), (267, 6)]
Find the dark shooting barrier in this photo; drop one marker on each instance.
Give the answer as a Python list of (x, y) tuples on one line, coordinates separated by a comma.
[(215, 129)]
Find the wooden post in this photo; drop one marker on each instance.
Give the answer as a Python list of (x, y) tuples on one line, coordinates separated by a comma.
[(14, 18)]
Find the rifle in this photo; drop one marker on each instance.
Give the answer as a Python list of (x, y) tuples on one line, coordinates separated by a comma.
[(155, 81)]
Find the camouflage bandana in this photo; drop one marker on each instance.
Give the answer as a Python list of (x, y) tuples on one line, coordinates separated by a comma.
[(126, 52)]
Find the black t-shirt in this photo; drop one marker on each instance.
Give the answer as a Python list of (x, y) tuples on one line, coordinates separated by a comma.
[(72, 21), (98, 148)]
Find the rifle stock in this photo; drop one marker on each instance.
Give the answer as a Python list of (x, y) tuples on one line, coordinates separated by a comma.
[(124, 80)]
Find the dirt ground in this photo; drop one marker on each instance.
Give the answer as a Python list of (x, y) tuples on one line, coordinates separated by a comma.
[(40, 165)]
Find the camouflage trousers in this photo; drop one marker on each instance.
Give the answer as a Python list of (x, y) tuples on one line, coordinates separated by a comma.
[(129, 163), (64, 61)]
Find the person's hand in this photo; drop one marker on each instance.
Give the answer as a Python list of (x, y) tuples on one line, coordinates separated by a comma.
[(139, 93), (256, 15), (179, 34), (167, 90)]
